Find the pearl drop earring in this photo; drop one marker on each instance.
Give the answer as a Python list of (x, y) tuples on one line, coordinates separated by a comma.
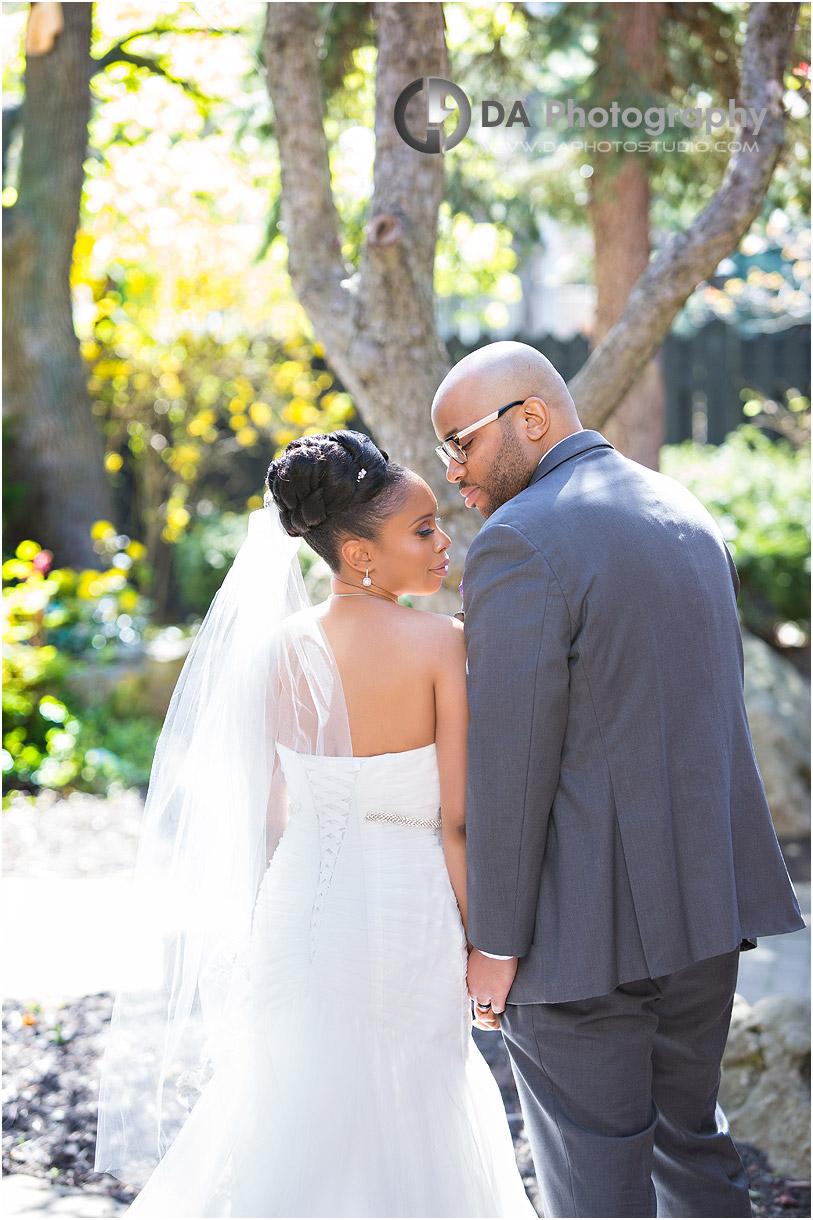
[(367, 582)]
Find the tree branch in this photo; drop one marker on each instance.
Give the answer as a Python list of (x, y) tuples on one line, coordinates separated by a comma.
[(118, 54), (163, 29), (688, 258), (154, 66), (311, 224)]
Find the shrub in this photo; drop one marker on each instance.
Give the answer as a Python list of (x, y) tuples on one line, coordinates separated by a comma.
[(92, 750), (758, 491), (203, 555), (51, 616), (74, 611)]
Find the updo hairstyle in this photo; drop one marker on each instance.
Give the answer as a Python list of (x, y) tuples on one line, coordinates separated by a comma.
[(334, 486)]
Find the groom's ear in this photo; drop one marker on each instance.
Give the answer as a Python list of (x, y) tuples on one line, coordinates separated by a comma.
[(536, 416), (356, 554)]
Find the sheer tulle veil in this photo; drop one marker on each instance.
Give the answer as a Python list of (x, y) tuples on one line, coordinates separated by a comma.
[(259, 672)]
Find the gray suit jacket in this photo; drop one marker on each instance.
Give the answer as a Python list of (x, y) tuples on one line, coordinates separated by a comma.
[(617, 826)]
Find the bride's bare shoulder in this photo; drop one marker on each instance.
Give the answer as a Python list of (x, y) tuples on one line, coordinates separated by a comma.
[(439, 634)]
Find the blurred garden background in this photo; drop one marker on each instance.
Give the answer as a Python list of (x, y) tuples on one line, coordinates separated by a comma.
[(214, 241)]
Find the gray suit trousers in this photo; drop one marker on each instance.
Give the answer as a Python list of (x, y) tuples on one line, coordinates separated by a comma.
[(619, 1094)]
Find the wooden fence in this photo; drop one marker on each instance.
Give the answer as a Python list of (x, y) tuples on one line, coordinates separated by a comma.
[(704, 373)]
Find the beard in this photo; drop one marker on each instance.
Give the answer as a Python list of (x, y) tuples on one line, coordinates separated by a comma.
[(509, 475)]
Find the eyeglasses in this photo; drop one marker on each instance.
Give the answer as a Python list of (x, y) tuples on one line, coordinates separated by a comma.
[(451, 448)]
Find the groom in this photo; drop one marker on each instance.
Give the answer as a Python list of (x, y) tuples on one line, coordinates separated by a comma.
[(620, 848)]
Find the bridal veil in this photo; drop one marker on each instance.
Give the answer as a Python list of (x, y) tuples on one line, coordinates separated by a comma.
[(259, 672)]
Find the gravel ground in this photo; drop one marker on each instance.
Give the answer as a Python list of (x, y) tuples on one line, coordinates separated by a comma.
[(51, 1058), (77, 837), (51, 1063), (51, 1051)]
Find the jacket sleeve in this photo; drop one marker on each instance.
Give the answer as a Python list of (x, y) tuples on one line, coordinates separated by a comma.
[(518, 636), (735, 576)]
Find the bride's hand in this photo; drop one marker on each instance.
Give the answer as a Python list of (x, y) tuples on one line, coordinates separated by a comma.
[(487, 1019)]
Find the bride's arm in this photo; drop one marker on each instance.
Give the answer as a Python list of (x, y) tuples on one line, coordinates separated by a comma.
[(451, 727)]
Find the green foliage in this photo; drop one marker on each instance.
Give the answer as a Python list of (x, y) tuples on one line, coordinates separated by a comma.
[(203, 556), (88, 750), (35, 720), (50, 617), (474, 260), (758, 491), (789, 419), (315, 573)]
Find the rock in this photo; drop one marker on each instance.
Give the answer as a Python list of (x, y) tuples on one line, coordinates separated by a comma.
[(777, 699), (765, 1087)]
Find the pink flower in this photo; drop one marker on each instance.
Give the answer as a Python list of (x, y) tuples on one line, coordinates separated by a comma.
[(42, 562)]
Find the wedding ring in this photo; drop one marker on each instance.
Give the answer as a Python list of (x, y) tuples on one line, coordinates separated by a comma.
[(482, 1007)]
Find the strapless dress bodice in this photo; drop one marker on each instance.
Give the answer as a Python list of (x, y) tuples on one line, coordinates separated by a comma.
[(400, 788)]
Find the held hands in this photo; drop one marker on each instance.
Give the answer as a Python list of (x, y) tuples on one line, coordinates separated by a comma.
[(489, 982)]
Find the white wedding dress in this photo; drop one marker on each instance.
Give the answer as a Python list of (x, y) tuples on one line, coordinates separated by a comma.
[(357, 1089)]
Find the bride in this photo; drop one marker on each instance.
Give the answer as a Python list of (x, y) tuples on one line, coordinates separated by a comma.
[(307, 1048)]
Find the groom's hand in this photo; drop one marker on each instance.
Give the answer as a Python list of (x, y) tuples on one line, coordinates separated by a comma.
[(489, 979)]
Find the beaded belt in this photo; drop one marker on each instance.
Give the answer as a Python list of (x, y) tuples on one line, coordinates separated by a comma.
[(402, 819)]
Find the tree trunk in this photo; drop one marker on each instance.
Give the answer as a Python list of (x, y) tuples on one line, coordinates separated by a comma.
[(619, 213), (58, 450), (377, 325)]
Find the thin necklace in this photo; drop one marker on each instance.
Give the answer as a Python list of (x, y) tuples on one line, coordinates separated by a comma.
[(379, 597), (382, 596)]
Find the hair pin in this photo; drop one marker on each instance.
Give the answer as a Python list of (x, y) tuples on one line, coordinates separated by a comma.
[(360, 475)]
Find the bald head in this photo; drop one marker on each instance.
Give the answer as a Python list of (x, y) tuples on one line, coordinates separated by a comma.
[(499, 372), (493, 459)]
